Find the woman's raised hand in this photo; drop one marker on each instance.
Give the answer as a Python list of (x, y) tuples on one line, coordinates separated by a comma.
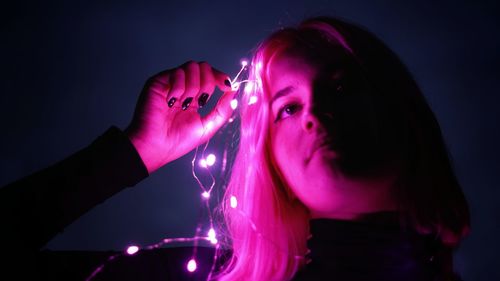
[(166, 123)]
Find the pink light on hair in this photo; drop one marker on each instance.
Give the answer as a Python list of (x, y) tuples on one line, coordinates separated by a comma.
[(269, 227), (233, 202), (252, 100), (249, 87)]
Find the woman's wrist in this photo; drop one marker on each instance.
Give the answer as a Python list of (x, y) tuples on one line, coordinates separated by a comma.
[(148, 156)]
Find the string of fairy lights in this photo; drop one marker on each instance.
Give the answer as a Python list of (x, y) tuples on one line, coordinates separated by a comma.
[(206, 162)]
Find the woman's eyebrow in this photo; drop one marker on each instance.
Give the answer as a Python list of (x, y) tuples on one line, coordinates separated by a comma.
[(283, 92)]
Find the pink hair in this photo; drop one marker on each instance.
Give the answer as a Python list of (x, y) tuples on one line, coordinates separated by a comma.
[(269, 226)]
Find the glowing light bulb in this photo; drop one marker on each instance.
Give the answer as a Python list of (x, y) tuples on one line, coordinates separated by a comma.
[(253, 99), (231, 120), (234, 103), (233, 202), (244, 63), (211, 233), (132, 250), (248, 87), (191, 266), (211, 236), (205, 194), (203, 163), (210, 160)]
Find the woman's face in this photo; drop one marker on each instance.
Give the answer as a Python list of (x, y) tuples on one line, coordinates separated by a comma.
[(314, 139)]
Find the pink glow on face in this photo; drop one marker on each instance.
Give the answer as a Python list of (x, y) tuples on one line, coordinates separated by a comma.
[(233, 202), (191, 266), (302, 145), (132, 250), (294, 133)]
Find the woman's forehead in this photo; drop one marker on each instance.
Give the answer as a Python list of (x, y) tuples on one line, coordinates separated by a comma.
[(299, 59), (288, 67), (317, 54)]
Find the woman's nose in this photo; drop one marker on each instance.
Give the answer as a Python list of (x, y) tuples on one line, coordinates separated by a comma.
[(314, 121), (309, 122)]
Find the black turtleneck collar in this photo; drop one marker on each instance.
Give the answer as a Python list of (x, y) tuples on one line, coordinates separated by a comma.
[(375, 247)]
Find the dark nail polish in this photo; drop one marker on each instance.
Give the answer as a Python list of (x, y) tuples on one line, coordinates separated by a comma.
[(171, 102), (186, 103), (203, 100), (227, 83)]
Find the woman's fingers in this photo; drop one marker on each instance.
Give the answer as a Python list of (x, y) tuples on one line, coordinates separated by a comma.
[(207, 84), (192, 71), (191, 85)]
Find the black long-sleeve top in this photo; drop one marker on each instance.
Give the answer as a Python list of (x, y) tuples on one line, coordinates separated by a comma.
[(36, 208)]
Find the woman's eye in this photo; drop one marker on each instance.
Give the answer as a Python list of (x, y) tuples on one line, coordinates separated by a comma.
[(287, 110)]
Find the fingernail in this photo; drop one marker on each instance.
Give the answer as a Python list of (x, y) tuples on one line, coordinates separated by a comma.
[(203, 100), (171, 102), (186, 103), (227, 82)]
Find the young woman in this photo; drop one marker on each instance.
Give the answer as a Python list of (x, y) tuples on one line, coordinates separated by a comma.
[(341, 171)]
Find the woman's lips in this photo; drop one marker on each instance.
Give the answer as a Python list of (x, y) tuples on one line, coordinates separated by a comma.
[(323, 143), (326, 146)]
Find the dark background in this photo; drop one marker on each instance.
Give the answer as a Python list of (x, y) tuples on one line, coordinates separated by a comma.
[(72, 69)]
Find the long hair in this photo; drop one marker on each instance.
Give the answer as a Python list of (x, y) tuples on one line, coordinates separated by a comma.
[(269, 225)]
